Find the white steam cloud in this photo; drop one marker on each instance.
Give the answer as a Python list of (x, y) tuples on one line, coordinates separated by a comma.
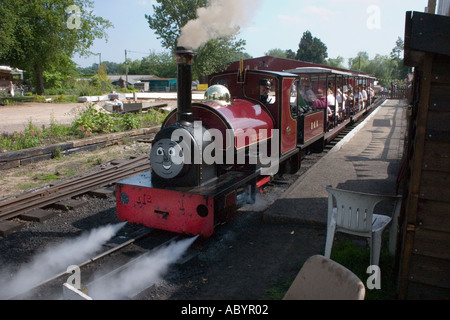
[(55, 260), (147, 271), (221, 18)]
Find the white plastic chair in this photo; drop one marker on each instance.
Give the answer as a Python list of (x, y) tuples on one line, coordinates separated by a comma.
[(321, 278), (353, 214)]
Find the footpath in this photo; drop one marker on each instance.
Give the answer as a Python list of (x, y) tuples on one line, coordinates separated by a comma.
[(367, 160)]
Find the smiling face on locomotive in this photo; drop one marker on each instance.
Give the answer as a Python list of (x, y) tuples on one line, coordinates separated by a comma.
[(167, 158)]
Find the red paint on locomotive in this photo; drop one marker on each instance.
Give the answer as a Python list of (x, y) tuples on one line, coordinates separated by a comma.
[(288, 123), (241, 117), (175, 211)]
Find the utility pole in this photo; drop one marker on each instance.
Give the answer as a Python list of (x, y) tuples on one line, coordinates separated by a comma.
[(100, 60), (126, 68)]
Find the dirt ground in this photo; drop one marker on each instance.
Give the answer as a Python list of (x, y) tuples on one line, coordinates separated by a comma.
[(16, 117)]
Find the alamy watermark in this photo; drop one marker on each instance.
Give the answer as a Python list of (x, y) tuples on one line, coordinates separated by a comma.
[(374, 281), (374, 20), (75, 279), (74, 20), (243, 147)]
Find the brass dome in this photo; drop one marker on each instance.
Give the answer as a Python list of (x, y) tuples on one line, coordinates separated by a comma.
[(218, 93)]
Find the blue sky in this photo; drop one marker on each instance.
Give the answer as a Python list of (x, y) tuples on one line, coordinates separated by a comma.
[(345, 26)]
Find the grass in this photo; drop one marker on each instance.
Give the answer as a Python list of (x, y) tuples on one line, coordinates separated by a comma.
[(277, 292), (38, 175), (357, 260), (62, 98)]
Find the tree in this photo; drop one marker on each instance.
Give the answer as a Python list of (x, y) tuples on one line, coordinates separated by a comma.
[(276, 53), (400, 70), (169, 18), (398, 49), (385, 68), (290, 54), (43, 34), (312, 49), (360, 62), (216, 55), (337, 63), (162, 65), (382, 67)]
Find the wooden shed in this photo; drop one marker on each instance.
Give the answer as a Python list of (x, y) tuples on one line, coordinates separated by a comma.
[(423, 251), (8, 74)]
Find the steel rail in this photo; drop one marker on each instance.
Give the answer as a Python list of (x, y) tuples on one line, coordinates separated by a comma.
[(71, 188), (43, 192)]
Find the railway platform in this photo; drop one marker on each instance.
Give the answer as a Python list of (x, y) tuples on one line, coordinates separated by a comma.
[(367, 160)]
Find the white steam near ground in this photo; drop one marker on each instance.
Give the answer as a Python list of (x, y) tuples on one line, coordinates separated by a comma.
[(55, 260), (222, 18), (145, 272)]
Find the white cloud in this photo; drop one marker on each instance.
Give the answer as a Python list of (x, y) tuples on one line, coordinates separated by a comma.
[(308, 14), (291, 20), (324, 14)]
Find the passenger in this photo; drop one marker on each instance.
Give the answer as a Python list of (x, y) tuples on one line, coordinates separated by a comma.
[(310, 97), (350, 103), (22, 90), (371, 93), (264, 90), (321, 101), (364, 95), (330, 115), (331, 102), (340, 99), (358, 100)]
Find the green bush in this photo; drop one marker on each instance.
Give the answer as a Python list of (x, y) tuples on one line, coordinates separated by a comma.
[(30, 137), (130, 121), (93, 121)]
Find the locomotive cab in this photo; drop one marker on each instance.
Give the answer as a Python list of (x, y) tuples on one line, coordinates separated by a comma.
[(272, 92)]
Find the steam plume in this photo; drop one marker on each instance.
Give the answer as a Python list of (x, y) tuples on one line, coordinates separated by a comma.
[(55, 260), (147, 271), (221, 18)]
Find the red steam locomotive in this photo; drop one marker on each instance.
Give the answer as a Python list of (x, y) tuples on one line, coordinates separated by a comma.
[(210, 158)]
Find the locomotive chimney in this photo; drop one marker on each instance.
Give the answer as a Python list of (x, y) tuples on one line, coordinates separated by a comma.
[(185, 56)]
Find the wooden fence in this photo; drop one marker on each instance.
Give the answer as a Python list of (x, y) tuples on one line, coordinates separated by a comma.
[(398, 92)]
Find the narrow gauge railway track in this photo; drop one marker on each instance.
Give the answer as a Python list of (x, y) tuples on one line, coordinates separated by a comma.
[(16, 206), (11, 208), (55, 283)]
